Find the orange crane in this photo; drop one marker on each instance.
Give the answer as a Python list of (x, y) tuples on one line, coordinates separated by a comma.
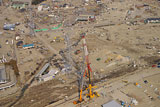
[(87, 73), (88, 70)]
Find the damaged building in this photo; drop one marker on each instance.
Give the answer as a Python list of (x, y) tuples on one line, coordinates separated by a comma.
[(3, 78), (86, 16), (152, 20), (20, 4)]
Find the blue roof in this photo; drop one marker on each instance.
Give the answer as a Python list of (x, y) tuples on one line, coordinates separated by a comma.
[(28, 45)]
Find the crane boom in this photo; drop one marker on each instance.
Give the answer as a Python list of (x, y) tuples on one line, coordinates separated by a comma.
[(87, 70)]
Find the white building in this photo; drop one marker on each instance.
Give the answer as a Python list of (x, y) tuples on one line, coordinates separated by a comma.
[(50, 75)]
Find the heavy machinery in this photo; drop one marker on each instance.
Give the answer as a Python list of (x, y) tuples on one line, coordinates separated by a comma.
[(86, 72), (58, 39), (77, 52)]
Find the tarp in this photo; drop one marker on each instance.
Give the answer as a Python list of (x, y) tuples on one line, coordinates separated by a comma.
[(38, 30), (44, 29)]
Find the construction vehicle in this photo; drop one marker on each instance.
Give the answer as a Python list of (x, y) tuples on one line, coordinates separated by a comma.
[(58, 39), (86, 73), (125, 81), (77, 52), (91, 94), (108, 60), (111, 57)]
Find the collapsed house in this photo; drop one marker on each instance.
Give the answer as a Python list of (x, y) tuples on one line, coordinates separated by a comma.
[(50, 75), (86, 17), (35, 2), (3, 78), (152, 20), (9, 26), (20, 4), (44, 75)]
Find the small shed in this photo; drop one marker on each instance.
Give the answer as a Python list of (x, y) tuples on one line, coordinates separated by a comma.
[(112, 103), (98, 1), (28, 46), (19, 43)]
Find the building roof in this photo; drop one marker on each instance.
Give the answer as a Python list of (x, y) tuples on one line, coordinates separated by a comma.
[(47, 75), (18, 3), (153, 19), (8, 26), (2, 74), (112, 103), (28, 45), (51, 73), (21, 2), (43, 69)]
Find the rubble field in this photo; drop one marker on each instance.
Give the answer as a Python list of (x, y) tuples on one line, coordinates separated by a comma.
[(46, 43)]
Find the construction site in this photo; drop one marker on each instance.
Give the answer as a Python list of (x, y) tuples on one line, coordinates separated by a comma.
[(79, 53)]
